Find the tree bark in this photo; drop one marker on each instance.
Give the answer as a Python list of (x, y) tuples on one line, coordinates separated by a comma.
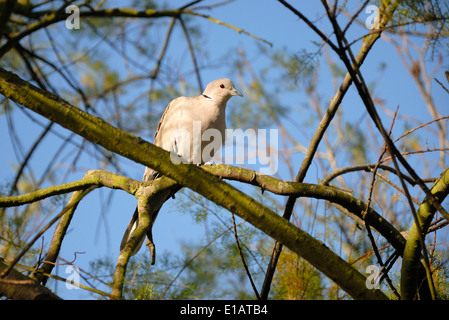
[(16, 286), (412, 274)]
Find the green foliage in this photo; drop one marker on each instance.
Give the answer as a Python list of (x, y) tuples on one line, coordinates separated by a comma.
[(296, 279), (356, 144), (297, 66), (434, 13), (213, 272), (440, 273)]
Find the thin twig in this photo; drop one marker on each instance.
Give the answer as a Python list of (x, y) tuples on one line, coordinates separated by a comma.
[(192, 53), (243, 258), (39, 234), (420, 126), (28, 156), (155, 71), (417, 152), (355, 15), (167, 38), (368, 229), (440, 223), (49, 275), (438, 81), (191, 260), (361, 167), (189, 4), (310, 25), (64, 263)]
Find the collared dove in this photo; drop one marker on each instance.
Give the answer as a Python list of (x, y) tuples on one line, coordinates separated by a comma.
[(175, 133)]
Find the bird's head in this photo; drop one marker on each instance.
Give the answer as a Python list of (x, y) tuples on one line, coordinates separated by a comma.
[(221, 89)]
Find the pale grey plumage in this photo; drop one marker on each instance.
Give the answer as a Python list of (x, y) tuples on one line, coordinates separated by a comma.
[(210, 109)]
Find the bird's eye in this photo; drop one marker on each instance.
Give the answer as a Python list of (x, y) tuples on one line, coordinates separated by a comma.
[(222, 86)]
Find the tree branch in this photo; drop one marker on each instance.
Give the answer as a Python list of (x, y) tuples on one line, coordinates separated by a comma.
[(91, 178), (17, 286), (99, 178), (67, 211), (361, 167), (410, 271)]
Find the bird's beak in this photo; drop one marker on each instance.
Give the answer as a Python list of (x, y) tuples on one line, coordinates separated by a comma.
[(234, 92)]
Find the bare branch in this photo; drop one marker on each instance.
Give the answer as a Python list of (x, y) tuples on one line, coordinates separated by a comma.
[(361, 167), (248, 273)]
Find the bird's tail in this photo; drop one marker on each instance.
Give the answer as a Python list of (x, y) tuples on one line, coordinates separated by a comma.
[(131, 227), (133, 224), (154, 208)]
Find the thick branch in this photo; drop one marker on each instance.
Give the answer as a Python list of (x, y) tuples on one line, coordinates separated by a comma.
[(343, 200), (17, 286), (91, 178), (411, 266)]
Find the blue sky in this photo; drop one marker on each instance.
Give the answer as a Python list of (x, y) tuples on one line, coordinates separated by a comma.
[(99, 234)]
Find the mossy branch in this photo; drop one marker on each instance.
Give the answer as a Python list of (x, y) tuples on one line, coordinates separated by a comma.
[(17, 286), (91, 178), (411, 269), (350, 204)]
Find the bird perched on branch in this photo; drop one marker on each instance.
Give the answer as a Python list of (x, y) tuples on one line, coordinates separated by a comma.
[(184, 119)]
